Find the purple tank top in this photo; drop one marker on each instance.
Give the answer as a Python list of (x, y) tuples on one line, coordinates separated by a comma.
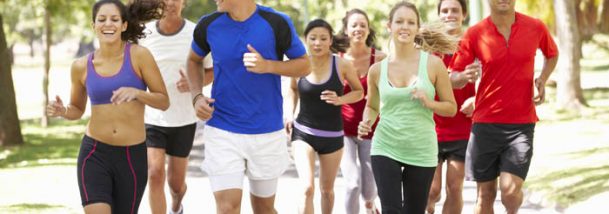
[(100, 88)]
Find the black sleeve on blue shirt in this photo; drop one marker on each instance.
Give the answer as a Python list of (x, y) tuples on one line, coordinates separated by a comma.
[(199, 38), (286, 37)]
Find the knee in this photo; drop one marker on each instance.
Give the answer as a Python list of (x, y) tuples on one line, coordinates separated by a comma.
[(176, 187), (454, 190), (327, 192), (309, 191), (156, 175), (511, 196), (487, 196), (228, 207)]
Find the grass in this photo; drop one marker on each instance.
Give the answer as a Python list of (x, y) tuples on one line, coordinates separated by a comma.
[(31, 208), (56, 145)]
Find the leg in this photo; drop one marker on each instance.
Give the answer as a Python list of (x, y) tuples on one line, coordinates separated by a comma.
[(178, 149), (487, 191), (436, 189), (369, 191), (98, 208), (262, 195), (388, 175), (454, 187), (131, 177), (304, 159), (176, 177), (328, 164), (156, 186), (228, 201), (351, 172), (416, 182), (511, 192)]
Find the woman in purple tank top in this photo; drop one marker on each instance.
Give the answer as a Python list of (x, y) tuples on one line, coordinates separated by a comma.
[(120, 78)]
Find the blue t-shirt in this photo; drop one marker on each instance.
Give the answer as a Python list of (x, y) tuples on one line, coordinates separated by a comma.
[(246, 102)]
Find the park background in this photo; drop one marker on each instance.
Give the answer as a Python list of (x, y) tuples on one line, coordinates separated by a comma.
[(40, 39)]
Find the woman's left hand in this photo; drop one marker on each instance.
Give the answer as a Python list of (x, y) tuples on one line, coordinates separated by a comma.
[(331, 97), (123, 95), (420, 96)]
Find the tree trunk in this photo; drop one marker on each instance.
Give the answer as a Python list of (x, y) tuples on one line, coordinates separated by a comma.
[(44, 122), (603, 24), (569, 91), (10, 129)]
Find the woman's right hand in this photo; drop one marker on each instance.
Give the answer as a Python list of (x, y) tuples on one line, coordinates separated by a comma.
[(363, 129), (55, 108)]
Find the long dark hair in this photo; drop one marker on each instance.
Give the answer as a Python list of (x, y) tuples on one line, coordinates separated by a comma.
[(431, 38), (371, 39), (136, 13), (338, 44)]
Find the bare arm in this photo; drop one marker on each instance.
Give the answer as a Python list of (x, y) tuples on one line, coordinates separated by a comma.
[(371, 111), (540, 82), (157, 95), (446, 105), (78, 94), (357, 91), (297, 67)]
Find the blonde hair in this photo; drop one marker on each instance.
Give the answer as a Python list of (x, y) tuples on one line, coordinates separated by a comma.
[(432, 37)]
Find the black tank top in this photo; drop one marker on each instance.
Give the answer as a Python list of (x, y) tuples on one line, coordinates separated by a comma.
[(316, 113)]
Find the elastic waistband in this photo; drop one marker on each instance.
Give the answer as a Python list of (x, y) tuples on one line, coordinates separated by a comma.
[(318, 132), (102, 145)]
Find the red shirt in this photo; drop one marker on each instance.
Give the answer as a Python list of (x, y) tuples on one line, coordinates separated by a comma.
[(459, 126), (352, 113), (505, 93)]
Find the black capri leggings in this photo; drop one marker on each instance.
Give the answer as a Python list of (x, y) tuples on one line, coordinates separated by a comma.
[(394, 178)]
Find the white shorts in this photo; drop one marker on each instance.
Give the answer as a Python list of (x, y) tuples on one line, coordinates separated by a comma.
[(230, 156)]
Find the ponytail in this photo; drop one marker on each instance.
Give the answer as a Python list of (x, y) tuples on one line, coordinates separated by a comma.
[(136, 13), (435, 39)]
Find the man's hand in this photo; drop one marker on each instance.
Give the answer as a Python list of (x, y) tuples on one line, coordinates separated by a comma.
[(254, 62), (204, 108), (540, 88), (467, 107), (182, 83)]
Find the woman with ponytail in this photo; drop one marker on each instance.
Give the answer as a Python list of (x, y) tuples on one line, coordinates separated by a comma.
[(355, 165), (120, 78), (401, 88), (318, 129)]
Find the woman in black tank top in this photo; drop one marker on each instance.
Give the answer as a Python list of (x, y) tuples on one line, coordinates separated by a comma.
[(318, 129)]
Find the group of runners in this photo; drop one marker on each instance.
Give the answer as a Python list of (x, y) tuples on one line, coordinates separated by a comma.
[(388, 120)]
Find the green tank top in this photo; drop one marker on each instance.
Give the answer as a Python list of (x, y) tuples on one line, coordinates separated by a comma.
[(406, 131)]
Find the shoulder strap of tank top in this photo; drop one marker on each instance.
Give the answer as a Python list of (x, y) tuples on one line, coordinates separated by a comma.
[(127, 56), (423, 65), (372, 56), (90, 67), (335, 68), (383, 79)]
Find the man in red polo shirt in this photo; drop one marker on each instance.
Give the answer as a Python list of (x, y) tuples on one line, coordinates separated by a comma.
[(501, 142)]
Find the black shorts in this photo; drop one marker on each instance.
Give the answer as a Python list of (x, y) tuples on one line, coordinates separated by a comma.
[(115, 175), (453, 150), (321, 145), (496, 148), (177, 141)]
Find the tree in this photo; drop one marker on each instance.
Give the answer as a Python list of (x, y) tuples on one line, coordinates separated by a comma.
[(10, 129), (569, 91)]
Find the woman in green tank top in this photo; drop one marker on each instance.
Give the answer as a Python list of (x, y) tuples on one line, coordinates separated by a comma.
[(401, 89)]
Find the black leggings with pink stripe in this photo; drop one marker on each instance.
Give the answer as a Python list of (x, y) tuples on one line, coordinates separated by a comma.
[(115, 175)]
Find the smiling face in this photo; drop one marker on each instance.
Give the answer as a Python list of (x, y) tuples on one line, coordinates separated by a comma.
[(502, 6), (173, 8), (451, 14), (318, 41), (357, 28), (404, 25), (108, 23)]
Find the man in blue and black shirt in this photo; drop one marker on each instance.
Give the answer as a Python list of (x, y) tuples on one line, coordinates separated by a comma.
[(244, 134)]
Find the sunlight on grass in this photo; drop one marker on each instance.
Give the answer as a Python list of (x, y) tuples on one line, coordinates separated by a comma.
[(56, 145), (35, 208)]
